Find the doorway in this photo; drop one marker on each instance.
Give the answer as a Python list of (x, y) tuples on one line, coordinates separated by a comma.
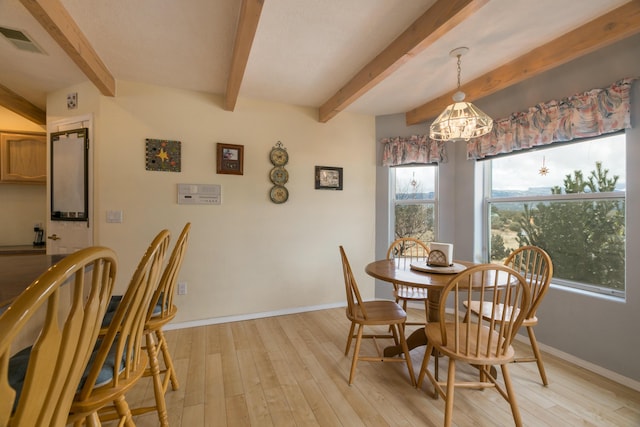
[(69, 229)]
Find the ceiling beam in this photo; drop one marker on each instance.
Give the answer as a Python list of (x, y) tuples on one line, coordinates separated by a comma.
[(607, 29), (54, 18), (439, 19), (247, 26), (14, 102)]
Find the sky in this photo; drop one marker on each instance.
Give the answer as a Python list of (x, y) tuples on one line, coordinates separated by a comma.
[(522, 171)]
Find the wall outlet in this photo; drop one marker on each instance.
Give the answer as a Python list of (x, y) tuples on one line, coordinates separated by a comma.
[(72, 101), (182, 288)]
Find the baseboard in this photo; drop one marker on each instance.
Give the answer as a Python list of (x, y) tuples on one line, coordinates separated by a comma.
[(635, 385), (250, 316)]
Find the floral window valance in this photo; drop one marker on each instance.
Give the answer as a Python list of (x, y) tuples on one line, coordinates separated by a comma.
[(415, 149), (589, 114)]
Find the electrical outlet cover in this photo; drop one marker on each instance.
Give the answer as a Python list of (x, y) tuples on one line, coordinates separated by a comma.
[(72, 100)]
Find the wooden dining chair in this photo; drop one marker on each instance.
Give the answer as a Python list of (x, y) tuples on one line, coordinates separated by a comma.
[(63, 309), (407, 250), (161, 311), (118, 361), (535, 265), (482, 343), (372, 314)]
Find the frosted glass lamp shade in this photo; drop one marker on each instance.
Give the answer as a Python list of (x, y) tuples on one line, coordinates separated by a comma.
[(460, 121)]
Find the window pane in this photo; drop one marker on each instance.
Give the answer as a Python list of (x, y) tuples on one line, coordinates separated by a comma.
[(584, 238), (415, 220), (538, 172), (413, 202), (553, 203), (415, 183)]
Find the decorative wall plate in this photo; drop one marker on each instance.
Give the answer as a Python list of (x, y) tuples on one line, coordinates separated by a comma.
[(279, 175), (279, 194), (279, 155)]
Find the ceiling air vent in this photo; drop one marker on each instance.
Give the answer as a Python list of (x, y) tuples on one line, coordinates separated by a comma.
[(20, 40)]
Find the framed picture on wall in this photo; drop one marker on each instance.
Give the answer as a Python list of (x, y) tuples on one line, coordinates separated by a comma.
[(328, 178), (230, 159)]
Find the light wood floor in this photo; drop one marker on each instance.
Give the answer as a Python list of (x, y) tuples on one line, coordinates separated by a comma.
[(291, 371)]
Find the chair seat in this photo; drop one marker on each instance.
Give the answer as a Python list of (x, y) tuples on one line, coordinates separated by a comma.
[(113, 306), (379, 313), (19, 363), (474, 306), (434, 336), (101, 395), (410, 293), (488, 307)]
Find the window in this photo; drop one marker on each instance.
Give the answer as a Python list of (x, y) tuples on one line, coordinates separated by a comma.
[(413, 202), (569, 200)]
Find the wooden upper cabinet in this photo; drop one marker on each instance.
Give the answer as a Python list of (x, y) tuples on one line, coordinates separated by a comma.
[(23, 158)]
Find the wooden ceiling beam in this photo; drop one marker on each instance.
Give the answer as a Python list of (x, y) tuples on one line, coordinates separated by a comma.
[(247, 26), (14, 102), (54, 18), (439, 19), (607, 29)]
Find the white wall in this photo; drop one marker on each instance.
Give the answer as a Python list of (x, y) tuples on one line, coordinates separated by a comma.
[(248, 255), (597, 330), (21, 206)]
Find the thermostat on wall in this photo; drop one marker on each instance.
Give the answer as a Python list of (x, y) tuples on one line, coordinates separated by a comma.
[(199, 194)]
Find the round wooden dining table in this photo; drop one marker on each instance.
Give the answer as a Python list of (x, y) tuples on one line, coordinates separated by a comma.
[(398, 270)]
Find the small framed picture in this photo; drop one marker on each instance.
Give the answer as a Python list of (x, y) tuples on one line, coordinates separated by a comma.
[(328, 178), (230, 159)]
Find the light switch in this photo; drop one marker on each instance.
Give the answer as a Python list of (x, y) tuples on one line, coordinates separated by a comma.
[(114, 216)]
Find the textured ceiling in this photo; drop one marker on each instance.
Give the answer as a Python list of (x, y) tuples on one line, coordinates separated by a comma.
[(304, 51)]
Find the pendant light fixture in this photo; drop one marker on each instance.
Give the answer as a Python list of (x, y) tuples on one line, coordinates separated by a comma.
[(460, 120)]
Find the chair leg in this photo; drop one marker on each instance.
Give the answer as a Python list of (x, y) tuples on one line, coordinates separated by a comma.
[(158, 390), (426, 311), (394, 333), (511, 394), (538, 356), (451, 382), (407, 356), (170, 374), (124, 413), (425, 364), (349, 338), (356, 353), (92, 420)]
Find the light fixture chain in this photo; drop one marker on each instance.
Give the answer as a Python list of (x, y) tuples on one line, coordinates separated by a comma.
[(459, 70)]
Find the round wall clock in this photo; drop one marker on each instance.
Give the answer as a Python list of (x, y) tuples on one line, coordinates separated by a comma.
[(279, 155), (279, 194), (279, 175)]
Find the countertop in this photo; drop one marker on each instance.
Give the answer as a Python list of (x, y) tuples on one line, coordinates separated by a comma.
[(22, 250), (18, 271)]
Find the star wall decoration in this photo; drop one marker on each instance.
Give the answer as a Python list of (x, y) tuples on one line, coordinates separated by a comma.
[(162, 155)]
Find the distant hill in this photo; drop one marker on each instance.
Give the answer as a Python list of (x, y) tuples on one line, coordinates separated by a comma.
[(533, 191), (415, 196)]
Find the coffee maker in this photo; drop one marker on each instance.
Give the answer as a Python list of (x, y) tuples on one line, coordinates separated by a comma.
[(39, 236)]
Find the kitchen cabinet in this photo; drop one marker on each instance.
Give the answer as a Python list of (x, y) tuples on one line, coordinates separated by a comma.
[(23, 158)]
